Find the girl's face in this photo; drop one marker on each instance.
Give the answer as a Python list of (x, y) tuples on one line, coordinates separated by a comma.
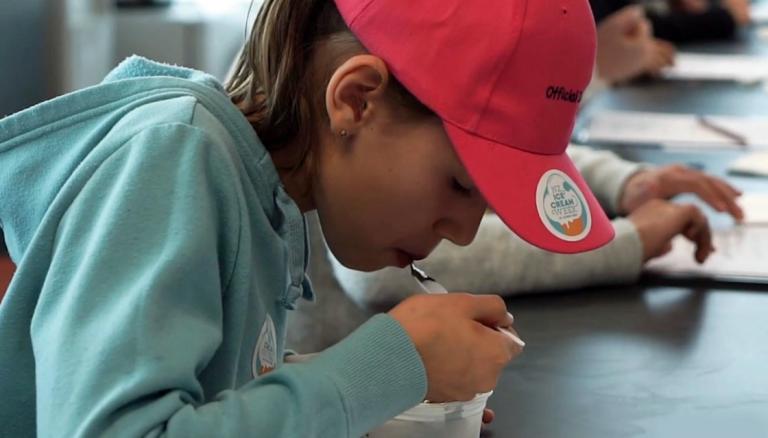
[(390, 191)]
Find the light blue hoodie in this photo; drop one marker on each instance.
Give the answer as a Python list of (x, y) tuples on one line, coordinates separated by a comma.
[(157, 256)]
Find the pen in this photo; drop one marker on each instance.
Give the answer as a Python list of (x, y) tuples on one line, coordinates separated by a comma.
[(709, 124), (431, 286)]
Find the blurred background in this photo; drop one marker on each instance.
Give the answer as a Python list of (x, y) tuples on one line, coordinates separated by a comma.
[(50, 47)]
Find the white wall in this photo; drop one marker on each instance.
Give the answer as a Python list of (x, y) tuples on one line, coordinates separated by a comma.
[(196, 35), (24, 50), (49, 47), (86, 44)]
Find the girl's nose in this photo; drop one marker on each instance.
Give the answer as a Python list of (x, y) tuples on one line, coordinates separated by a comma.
[(461, 227)]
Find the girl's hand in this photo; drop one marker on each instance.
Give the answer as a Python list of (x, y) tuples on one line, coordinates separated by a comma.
[(658, 222), (668, 181), (454, 334), (627, 48)]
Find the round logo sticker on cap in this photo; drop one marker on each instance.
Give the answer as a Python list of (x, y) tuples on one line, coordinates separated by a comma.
[(562, 207)]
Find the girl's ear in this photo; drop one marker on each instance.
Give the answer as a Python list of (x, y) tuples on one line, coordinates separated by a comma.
[(355, 90)]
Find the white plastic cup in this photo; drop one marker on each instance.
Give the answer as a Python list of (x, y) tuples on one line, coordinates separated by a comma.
[(443, 420)]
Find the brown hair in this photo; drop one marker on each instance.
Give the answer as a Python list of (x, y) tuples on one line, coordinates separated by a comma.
[(280, 76)]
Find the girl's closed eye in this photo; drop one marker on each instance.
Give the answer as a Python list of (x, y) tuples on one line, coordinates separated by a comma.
[(460, 188)]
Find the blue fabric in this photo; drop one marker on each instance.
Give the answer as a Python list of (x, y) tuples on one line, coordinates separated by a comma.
[(154, 242)]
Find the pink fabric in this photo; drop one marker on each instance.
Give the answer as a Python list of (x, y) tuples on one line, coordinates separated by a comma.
[(506, 77)]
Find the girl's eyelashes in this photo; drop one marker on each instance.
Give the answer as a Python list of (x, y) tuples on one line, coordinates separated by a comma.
[(460, 188)]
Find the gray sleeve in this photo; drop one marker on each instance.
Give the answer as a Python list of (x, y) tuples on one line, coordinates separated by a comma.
[(605, 173), (499, 262)]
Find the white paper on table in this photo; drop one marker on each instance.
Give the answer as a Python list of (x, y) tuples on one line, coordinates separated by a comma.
[(741, 253), (755, 206), (672, 130), (705, 66), (755, 163)]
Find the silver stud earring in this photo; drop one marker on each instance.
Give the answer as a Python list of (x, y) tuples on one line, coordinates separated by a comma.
[(343, 133)]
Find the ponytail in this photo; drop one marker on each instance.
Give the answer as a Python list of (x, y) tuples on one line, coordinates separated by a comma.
[(271, 82)]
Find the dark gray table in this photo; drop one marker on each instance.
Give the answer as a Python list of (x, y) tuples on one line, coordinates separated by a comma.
[(664, 358), (661, 359), (644, 361)]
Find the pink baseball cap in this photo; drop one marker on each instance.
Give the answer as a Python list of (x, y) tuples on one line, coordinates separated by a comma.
[(506, 78)]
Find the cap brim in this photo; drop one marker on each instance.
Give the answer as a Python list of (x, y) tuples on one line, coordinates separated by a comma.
[(518, 186)]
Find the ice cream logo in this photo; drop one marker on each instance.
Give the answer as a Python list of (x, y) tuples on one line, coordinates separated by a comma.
[(561, 207), (265, 354)]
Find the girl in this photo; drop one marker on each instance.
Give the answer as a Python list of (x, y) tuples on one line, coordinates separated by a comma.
[(159, 236)]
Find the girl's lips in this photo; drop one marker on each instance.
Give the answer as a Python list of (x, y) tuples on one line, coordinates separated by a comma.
[(405, 258)]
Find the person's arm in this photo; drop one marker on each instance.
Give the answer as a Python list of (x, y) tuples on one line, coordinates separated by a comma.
[(605, 173), (131, 315), (498, 262)]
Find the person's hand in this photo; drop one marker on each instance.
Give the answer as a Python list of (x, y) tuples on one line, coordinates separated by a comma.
[(462, 353), (660, 56), (658, 222), (488, 416), (739, 10), (626, 47), (668, 181)]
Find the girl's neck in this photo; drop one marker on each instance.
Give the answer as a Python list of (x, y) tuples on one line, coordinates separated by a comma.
[(297, 182)]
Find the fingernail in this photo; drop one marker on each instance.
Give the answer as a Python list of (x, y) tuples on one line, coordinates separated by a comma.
[(512, 336), (511, 317)]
